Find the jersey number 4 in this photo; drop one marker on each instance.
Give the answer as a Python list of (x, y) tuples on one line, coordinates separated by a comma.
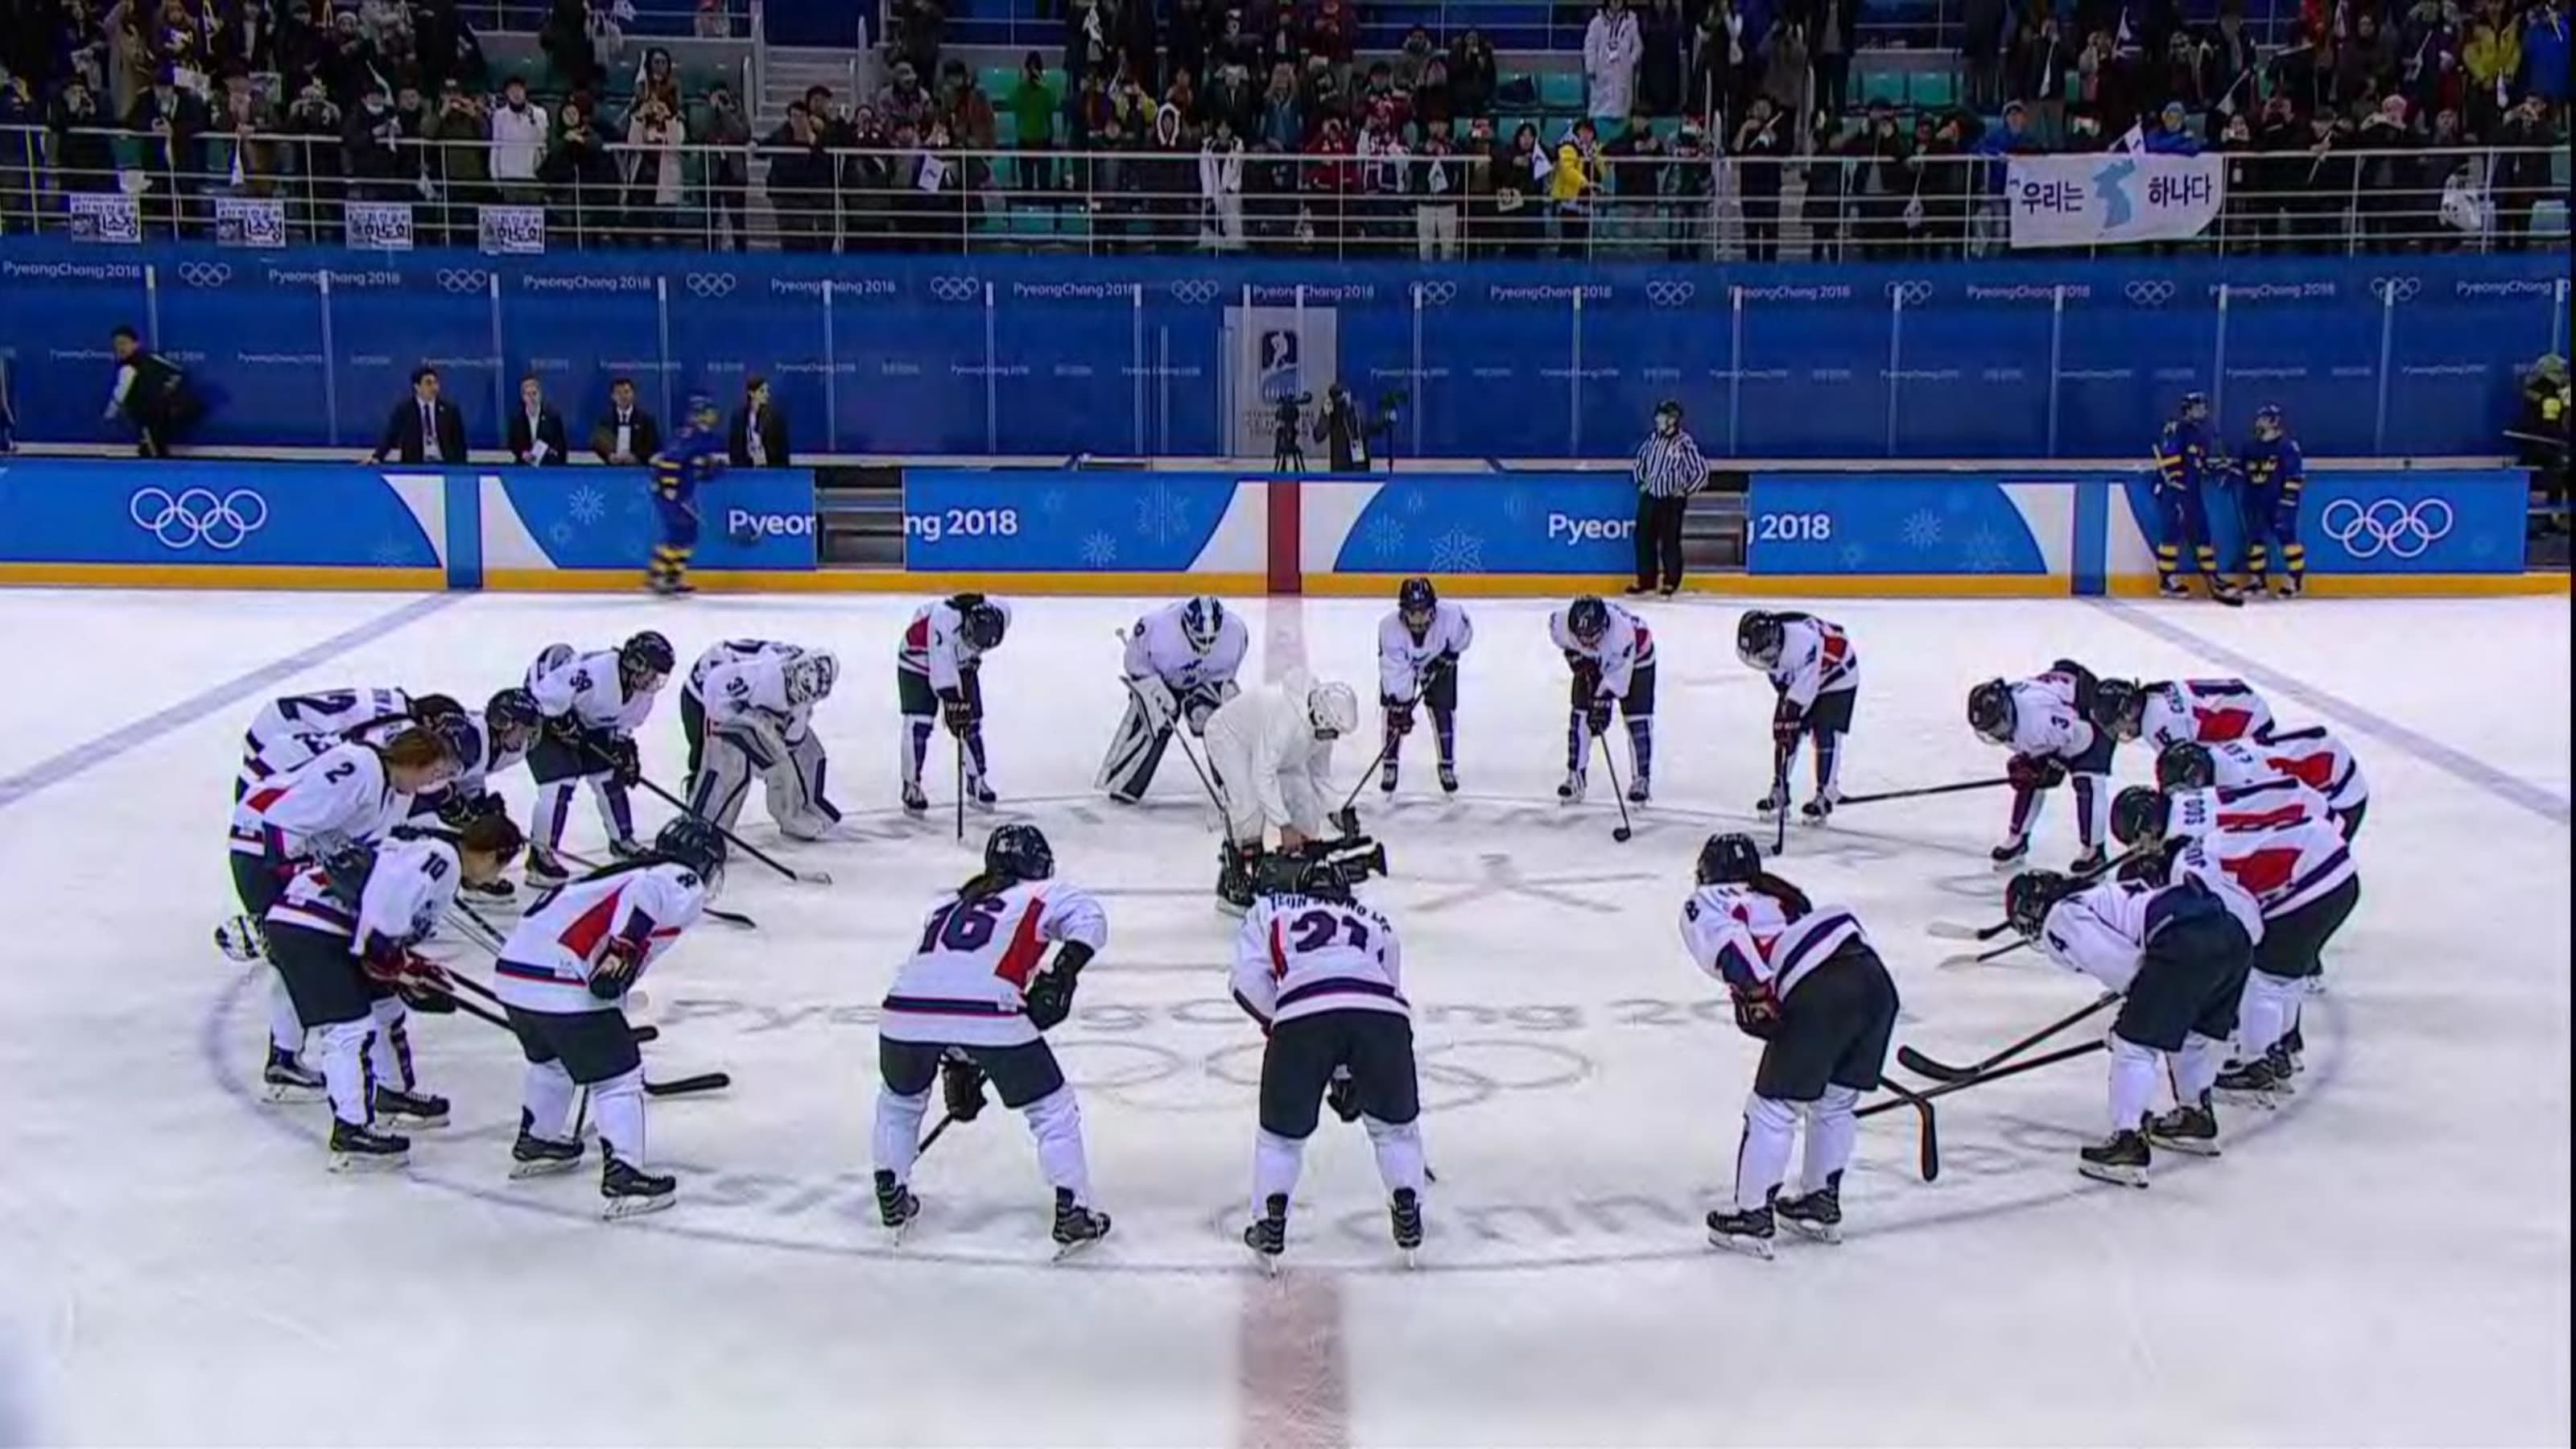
[(967, 927)]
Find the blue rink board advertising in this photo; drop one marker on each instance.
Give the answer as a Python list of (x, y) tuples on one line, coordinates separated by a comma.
[(2390, 522), (1911, 524), (604, 518), (1059, 522), (1501, 523), (241, 514)]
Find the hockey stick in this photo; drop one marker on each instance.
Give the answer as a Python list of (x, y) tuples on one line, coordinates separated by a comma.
[(730, 918), (688, 1086), (960, 742), (808, 877), (946, 1121), (1610, 764), (1954, 931), (678, 1087), (1181, 737), (1923, 1066), (1951, 789), (1780, 756), (1928, 1142), (2063, 1054), (1948, 963)]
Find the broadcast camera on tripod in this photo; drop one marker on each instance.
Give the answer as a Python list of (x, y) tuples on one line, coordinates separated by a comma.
[(1288, 454)]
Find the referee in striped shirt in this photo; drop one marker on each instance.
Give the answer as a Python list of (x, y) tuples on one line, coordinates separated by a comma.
[(1669, 471)]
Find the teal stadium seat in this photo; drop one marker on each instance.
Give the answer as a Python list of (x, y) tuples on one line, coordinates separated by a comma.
[(1932, 90), (1561, 92), (1882, 85)]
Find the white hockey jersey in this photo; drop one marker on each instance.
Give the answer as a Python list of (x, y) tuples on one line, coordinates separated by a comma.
[(1262, 744), (344, 791), (2311, 756), (1741, 937), (1159, 648), (1816, 658), (2044, 719), (2103, 930), (729, 652), (408, 888), (935, 644), (1624, 648), (289, 731), (964, 982), (1298, 956), (2277, 840), (750, 694), (591, 688), (1403, 660), (483, 758), (2208, 711), (547, 962)]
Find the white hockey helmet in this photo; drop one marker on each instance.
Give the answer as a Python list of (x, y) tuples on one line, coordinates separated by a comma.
[(1332, 709), (1202, 619), (811, 676)]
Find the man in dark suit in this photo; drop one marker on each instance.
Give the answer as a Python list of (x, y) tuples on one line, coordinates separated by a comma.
[(759, 438), (536, 429), (626, 436), (424, 428)]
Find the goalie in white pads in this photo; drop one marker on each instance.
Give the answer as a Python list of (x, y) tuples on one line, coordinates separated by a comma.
[(593, 704), (2168, 712), (2044, 721), (2177, 953), (938, 678), (563, 976), (1180, 666), (1417, 664), (1815, 671), (1324, 976), (341, 937), (1272, 753), (1806, 984), (1612, 656), (758, 714), (2312, 756), (693, 699), (975, 1002)]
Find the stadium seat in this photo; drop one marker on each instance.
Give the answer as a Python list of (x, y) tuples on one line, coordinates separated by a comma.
[(2549, 218), (1882, 85), (1932, 90), (1561, 91)]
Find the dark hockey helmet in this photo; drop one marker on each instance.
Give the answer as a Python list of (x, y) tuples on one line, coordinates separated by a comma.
[(1731, 859), (1417, 601), (456, 732), (2138, 814), (2195, 406), (1202, 619), (982, 622), (2031, 895), (2184, 765), (2268, 423), (646, 656), (1587, 618), (2119, 707), (1019, 852), (1758, 638), (693, 843), (1990, 711), (513, 717), (429, 709)]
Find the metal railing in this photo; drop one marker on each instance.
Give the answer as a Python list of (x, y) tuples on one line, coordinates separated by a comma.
[(635, 19), (818, 199)]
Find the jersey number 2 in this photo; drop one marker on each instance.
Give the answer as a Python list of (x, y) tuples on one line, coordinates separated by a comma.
[(1316, 929)]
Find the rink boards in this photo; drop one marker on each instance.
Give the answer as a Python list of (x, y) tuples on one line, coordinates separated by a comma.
[(1967, 534)]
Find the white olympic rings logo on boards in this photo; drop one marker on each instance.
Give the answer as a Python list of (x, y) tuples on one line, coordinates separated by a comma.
[(463, 279), (956, 289), (205, 274), (1910, 294), (2387, 525), (2150, 293), (1195, 291), (2397, 289), (198, 515), (1437, 294), (1671, 294), (709, 285)]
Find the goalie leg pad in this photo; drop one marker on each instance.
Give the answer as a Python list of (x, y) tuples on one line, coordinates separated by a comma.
[(1134, 753), (723, 780)]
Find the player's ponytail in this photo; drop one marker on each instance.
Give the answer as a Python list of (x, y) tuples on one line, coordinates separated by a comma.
[(1793, 902)]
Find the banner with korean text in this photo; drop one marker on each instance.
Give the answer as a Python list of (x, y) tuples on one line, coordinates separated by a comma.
[(2113, 198)]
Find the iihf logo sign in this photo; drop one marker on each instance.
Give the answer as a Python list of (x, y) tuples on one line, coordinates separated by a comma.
[(956, 289), (2386, 525), (1669, 294), (1194, 291), (1909, 294), (2149, 293), (709, 285), (198, 516), (2396, 289)]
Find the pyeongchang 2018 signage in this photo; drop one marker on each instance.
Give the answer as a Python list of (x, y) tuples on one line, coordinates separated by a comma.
[(65, 511)]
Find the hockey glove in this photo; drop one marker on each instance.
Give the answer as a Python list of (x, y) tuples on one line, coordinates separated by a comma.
[(461, 810), (961, 1087), (619, 964), (563, 729), (1343, 1095), (1442, 664), (1787, 723), (2033, 773), (624, 765), (956, 712), (1049, 996), (1757, 1012), (1596, 717), (1399, 719)]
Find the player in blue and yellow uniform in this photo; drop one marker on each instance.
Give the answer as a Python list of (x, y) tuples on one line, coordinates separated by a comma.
[(2183, 463), (2275, 471), (689, 460)]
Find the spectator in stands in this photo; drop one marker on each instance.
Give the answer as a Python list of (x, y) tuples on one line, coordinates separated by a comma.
[(1187, 47), (1140, 44), (757, 436), (726, 134), (2322, 192), (1690, 183), (536, 432), (2386, 179), (1784, 59), (1942, 186), (22, 154), (625, 435), (1472, 74), (1435, 187), (1612, 47), (2236, 64), (1834, 38), (2428, 65), (170, 122), (2036, 72), (1283, 119), (2492, 58), (2544, 54), (920, 28), (150, 393), (872, 200), (1521, 174), (652, 172), (1664, 35), (1330, 178), (656, 81), (518, 132), (1231, 100), (84, 159), (1385, 166), (2171, 135), (565, 39), (1087, 50), (581, 179), (1981, 47), (1237, 47), (1033, 105), (1221, 188), (461, 160), (369, 140), (2522, 175), (424, 427), (248, 41), (1332, 32), (1574, 187), (1879, 183), (1762, 143)]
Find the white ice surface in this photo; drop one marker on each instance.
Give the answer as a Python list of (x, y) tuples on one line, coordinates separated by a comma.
[(2385, 1261)]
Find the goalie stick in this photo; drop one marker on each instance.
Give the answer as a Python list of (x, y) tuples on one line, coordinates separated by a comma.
[(1923, 1066), (806, 877)]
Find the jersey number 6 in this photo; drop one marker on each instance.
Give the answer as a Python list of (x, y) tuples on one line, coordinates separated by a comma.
[(967, 927)]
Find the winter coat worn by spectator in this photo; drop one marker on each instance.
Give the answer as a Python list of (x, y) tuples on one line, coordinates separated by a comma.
[(1612, 48)]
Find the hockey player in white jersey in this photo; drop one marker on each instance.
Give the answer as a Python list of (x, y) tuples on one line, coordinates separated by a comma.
[(350, 792), (693, 702), (1271, 750), (485, 742), (1417, 664), (2043, 720), (1612, 655), (2169, 711), (341, 936), (1324, 976), (1808, 985), (2278, 842), (974, 1003), (564, 974), (758, 713), (2177, 953), (938, 680), (1180, 666), (593, 703), (1815, 672), (2311, 756), (326, 713)]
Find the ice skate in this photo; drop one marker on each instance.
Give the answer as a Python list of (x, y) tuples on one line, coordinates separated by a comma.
[(2190, 1128), (979, 793), (624, 847), (1748, 1231), (1404, 1218), (2091, 862), (1820, 809), (2120, 1158), (1076, 1227), (284, 1079), (544, 871), (2009, 855), (1267, 1235), (1571, 792), (364, 1148), (1386, 776), (535, 1156), (1640, 790), (896, 1206), (2251, 1084), (628, 1191), (1448, 778), (1818, 1214), (915, 802), (414, 1110)]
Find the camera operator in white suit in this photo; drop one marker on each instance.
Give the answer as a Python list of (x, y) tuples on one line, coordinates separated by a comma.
[(1272, 751)]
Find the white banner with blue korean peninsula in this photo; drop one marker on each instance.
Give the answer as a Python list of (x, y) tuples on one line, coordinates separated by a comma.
[(2113, 198)]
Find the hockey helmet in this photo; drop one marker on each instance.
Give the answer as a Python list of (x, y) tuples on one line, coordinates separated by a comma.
[(456, 732), (2138, 814), (1332, 709), (2031, 895), (980, 620), (646, 656), (1587, 619), (2268, 423), (2195, 406), (811, 676), (1730, 859), (513, 718), (429, 709), (1990, 711), (1417, 602), (702, 410), (2186, 765), (1202, 620), (1758, 638), (1018, 852), (694, 843), (2120, 708)]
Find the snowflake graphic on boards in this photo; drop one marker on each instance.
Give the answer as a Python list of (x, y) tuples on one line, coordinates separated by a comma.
[(1922, 528), (1162, 513), (1385, 535), (1051, 502), (1516, 505), (1984, 553), (1414, 502), (561, 532), (1099, 550), (1458, 553), (1853, 554), (587, 505)]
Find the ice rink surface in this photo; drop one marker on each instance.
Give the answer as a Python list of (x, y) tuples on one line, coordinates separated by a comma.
[(2385, 1260)]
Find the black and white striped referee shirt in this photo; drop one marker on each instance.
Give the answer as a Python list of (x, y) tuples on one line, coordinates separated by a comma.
[(1670, 467)]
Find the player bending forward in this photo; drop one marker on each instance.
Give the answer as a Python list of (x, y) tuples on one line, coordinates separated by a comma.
[(1810, 988), (1324, 977), (1612, 656), (1417, 664), (2177, 953), (286, 732), (342, 939), (1272, 751), (1816, 673), (975, 1002), (593, 704), (1180, 667), (2278, 842), (2165, 712), (2043, 721), (486, 742), (758, 714), (938, 680), (2313, 757)]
